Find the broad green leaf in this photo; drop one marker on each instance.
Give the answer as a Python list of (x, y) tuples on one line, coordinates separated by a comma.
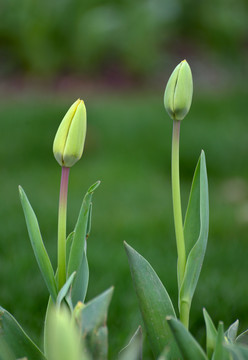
[(65, 289), (154, 303), (77, 258), (14, 337), (195, 230), (188, 346), (133, 350), (94, 313), (243, 338), (38, 245), (220, 351), (93, 318), (232, 331), (211, 334)]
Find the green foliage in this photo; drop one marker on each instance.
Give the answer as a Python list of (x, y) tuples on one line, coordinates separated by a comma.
[(220, 352), (77, 258), (91, 319), (188, 346), (211, 334), (195, 231), (154, 302), (14, 340), (38, 245)]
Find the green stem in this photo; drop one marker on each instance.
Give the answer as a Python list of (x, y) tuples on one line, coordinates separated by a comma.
[(176, 198), (184, 313), (62, 227)]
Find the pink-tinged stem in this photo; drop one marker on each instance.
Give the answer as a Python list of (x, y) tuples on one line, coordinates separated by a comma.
[(62, 227)]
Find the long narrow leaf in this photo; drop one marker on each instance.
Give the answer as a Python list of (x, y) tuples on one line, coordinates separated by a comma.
[(13, 336), (38, 245), (199, 193), (77, 258), (154, 303), (65, 289), (211, 333), (189, 347), (220, 352), (80, 231)]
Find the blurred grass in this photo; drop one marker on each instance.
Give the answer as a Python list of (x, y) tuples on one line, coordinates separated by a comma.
[(128, 149)]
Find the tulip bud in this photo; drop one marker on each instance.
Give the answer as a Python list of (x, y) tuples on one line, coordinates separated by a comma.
[(179, 91), (69, 140)]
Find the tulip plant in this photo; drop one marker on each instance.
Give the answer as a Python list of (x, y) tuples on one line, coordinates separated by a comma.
[(77, 330)]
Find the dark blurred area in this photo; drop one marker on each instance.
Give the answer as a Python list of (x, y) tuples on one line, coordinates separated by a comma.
[(117, 55), (121, 39)]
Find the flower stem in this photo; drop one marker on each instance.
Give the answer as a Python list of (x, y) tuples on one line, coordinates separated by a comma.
[(62, 227), (176, 198)]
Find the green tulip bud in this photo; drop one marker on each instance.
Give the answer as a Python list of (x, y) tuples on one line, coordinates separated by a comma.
[(179, 91), (69, 140)]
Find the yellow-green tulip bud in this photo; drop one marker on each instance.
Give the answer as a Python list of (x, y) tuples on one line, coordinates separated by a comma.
[(179, 91), (69, 140)]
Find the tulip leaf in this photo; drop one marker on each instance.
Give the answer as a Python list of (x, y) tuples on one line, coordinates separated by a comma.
[(238, 351), (195, 230), (133, 350), (65, 289), (211, 333), (92, 318), (187, 344), (38, 245), (232, 331), (14, 338), (68, 245), (94, 313), (77, 258), (154, 303), (243, 338), (220, 351)]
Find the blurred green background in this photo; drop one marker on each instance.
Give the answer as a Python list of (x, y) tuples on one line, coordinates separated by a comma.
[(117, 56)]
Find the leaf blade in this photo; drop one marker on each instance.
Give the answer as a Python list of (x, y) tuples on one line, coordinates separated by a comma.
[(189, 347), (38, 246), (154, 303), (16, 339), (197, 253), (77, 258)]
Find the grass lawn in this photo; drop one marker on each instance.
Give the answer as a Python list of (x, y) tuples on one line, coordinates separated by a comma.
[(128, 149)]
